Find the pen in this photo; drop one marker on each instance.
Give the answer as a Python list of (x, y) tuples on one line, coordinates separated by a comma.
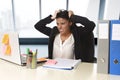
[(27, 50)]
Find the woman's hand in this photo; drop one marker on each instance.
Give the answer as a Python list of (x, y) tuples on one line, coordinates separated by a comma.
[(70, 13), (55, 13)]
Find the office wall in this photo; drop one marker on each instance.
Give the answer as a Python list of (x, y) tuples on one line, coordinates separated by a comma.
[(112, 9), (93, 12)]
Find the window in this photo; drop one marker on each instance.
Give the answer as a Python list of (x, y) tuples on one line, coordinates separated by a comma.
[(22, 15), (26, 15), (48, 8), (6, 17), (78, 6)]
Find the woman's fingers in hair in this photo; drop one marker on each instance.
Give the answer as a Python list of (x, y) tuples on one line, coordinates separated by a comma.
[(70, 13), (55, 13)]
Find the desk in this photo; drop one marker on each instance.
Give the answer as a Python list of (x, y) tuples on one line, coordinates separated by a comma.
[(85, 71)]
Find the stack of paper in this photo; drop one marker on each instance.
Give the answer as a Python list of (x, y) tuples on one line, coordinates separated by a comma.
[(66, 64)]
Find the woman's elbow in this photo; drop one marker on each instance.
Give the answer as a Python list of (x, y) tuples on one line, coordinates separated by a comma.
[(92, 24), (37, 26)]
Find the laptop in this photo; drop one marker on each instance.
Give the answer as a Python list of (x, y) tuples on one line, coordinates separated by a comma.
[(12, 51)]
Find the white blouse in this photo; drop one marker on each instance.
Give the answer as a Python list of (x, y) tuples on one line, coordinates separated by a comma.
[(63, 50)]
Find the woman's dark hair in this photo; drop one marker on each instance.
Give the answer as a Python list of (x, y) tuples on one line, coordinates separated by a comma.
[(63, 14)]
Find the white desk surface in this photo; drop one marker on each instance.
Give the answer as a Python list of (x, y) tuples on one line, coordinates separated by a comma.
[(85, 71)]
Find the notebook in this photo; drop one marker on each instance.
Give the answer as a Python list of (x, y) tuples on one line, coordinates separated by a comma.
[(11, 50), (64, 64)]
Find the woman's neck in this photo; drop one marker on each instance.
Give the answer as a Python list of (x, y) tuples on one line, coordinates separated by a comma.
[(64, 37)]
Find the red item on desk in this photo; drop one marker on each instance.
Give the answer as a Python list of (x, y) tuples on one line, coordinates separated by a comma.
[(51, 62)]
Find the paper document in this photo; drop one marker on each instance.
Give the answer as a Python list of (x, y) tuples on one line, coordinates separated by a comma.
[(66, 64)]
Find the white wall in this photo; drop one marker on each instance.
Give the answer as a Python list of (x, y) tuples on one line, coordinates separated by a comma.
[(112, 9), (93, 12)]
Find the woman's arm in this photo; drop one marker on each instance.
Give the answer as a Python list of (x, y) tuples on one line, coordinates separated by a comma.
[(41, 25), (88, 25)]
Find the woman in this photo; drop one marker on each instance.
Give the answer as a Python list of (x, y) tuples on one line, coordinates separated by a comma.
[(68, 39)]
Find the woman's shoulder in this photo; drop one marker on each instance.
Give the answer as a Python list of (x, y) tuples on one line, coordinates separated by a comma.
[(55, 30)]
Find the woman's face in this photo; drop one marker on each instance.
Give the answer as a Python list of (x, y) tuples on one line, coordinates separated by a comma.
[(63, 25)]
